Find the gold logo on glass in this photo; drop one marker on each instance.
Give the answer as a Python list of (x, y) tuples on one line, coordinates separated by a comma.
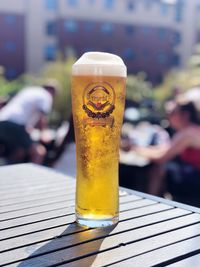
[(99, 100)]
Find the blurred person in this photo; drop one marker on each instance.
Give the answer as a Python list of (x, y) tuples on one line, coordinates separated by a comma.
[(193, 95), (28, 109), (185, 144)]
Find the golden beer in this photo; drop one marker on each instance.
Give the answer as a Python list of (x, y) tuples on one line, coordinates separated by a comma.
[(98, 106)]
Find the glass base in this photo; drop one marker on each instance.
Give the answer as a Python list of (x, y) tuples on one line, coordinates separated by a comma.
[(100, 223)]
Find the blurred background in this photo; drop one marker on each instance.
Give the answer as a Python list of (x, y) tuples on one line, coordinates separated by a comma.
[(158, 41)]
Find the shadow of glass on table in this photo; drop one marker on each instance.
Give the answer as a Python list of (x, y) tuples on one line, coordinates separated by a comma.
[(74, 243)]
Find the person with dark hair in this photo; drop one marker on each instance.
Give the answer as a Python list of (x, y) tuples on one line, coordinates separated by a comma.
[(185, 144), (28, 109)]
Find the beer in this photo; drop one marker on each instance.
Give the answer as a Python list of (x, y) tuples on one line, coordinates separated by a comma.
[(98, 96)]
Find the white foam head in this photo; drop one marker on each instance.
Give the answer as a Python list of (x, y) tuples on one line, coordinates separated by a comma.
[(99, 64)]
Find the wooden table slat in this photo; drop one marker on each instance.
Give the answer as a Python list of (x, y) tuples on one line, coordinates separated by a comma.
[(27, 195), (37, 210), (21, 185), (32, 219), (17, 215), (63, 220), (193, 261), (35, 197), (163, 254), (57, 222), (32, 191), (54, 199), (35, 173), (54, 231), (110, 251), (32, 202), (118, 235), (36, 203), (61, 242), (64, 204)]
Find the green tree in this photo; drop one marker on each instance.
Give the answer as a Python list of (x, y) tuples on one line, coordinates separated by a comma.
[(181, 79), (61, 71), (138, 87), (8, 87)]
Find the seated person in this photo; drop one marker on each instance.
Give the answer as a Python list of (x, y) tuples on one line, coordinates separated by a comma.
[(27, 109), (185, 144)]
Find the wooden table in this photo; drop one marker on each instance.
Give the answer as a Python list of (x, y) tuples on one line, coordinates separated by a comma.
[(37, 226)]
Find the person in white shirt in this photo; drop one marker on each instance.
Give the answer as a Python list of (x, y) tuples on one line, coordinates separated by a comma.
[(28, 109)]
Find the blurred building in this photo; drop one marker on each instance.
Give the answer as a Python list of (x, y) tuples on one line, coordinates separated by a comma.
[(150, 35)]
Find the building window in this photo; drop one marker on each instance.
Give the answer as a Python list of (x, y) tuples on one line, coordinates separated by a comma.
[(164, 9), (162, 57), (11, 73), (129, 29), (146, 30), (162, 33), (179, 11), (175, 60), (146, 53), (109, 4), (50, 52), (10, 19), (107, 28), (51, 4), (51, 28), (72, 3), (128, 54), (10, 46), (130, 5), (148, 4), (89, 26), (176, 38), (178, 16), (71, 26)]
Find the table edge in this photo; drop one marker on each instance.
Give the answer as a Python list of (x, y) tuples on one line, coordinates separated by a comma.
[(162, 200)]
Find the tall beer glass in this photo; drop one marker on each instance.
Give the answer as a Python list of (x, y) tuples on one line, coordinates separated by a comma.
[(98, 96)]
